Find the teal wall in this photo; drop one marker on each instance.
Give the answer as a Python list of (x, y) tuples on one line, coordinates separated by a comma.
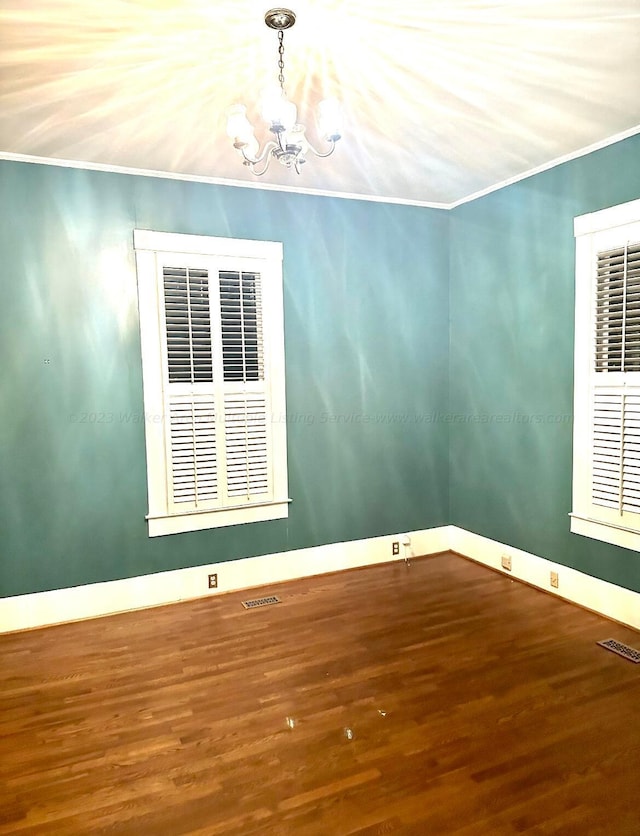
[(366, 319), (512, 324), (429, 367)]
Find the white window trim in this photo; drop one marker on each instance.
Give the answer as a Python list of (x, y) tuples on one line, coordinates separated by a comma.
[(148, 244), (594, 233)]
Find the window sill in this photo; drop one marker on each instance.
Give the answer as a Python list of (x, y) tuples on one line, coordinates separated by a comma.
[(606, 532), (201, 520)]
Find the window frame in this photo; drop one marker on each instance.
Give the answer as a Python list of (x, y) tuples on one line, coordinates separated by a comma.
[(595, 233), (213, 253)]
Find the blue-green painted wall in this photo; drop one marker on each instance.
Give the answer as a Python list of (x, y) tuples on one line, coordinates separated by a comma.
[(512, 324), (366, 318), (429, 367)]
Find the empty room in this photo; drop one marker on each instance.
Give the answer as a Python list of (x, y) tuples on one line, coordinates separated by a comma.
[(320, 418)]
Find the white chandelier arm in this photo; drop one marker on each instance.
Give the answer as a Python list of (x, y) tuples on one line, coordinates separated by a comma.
[(332, 142), (266, 154)]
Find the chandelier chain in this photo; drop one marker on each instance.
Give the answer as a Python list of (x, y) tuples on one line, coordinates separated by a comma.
[(281, 59)]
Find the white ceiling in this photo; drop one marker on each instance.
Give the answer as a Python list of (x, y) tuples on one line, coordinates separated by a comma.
[(441, 98)]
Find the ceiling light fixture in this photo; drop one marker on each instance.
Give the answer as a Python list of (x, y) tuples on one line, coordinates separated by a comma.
[(290, 145)]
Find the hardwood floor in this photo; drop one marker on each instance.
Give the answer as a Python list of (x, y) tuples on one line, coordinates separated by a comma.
[(439, 699)]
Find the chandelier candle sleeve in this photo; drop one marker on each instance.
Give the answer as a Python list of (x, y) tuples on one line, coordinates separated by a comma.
[(279, 113), (329, 119), (238, 126), (240, 130), (289, 144)]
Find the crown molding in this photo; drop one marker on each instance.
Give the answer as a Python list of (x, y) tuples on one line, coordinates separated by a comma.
[(215, 181), (240, 184), (574, 155)]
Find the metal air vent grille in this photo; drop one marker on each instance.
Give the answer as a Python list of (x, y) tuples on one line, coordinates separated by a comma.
[(621, 649), (261, 602)]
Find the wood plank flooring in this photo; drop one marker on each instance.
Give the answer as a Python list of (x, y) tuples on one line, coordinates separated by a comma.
[(442, 698)]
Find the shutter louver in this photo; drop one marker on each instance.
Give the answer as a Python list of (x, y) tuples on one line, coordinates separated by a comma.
[(246, 445), (188, 325), (616, 451), (617, 347), (193, 450), (241, 321)]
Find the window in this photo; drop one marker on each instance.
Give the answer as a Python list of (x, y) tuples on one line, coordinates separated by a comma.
[(606, 447), (212, 339)]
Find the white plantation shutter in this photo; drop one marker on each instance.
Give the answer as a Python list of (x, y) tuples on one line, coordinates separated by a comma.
[(616, 451), (191, 431), (246, 407), (618, 310), (194, 466), (202, 392), (607, 378), (188, 325), (246, 399), (241, 322), (217, 377), (246, 445)]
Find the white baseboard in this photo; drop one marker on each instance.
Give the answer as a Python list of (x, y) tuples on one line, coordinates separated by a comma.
[(39, 609), (604, 598)]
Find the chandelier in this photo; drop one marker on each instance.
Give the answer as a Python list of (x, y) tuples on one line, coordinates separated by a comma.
[(289, 145)]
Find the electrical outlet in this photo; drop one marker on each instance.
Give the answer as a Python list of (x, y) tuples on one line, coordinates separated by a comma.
[(395, 547), (506, 562), (213, 581), (555, 582)]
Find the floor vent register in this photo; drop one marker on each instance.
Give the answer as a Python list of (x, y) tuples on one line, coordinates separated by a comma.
[(261, 602), (621, 649)]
